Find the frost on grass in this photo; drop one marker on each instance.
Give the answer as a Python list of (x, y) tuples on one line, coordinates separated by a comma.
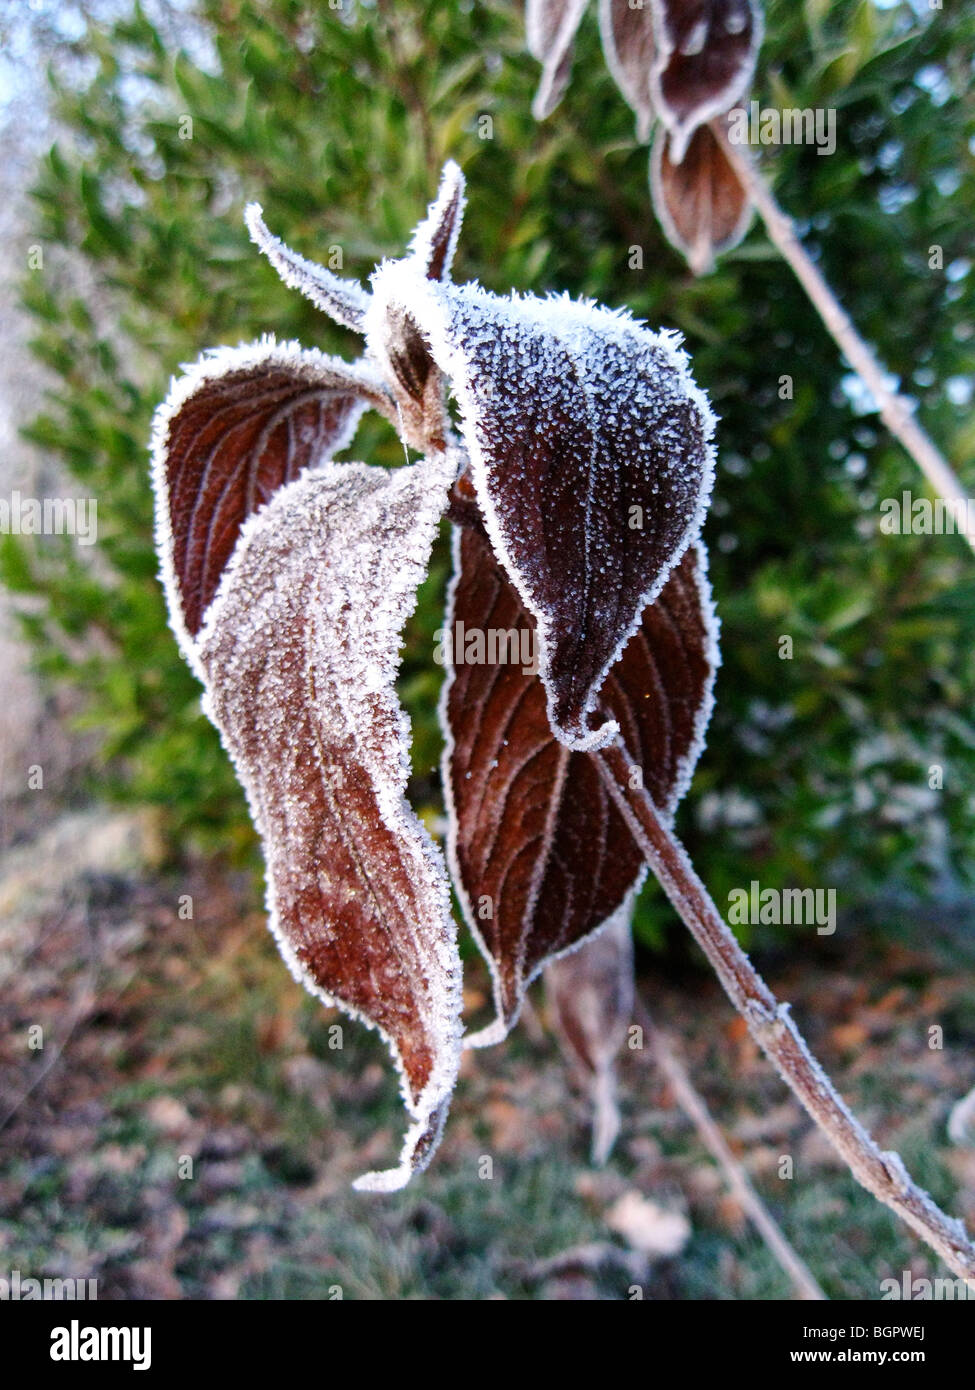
[(700, 203), (540, 853), (628, 43), (590, 455), (550, 30), (240, 424), (590, 994), (300, 651), (705, 61)]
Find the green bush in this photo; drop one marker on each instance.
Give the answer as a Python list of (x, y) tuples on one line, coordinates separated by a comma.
[(338, 121)]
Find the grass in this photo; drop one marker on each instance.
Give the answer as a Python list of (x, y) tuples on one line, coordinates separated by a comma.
[(198, 1046)]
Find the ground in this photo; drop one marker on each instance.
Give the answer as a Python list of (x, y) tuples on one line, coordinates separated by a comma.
[(167, 1038)]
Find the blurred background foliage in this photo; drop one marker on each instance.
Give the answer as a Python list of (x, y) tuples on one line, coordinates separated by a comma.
[(337, 120)]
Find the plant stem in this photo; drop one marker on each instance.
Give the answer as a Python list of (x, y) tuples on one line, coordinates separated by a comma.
[(881, 1173), (894, 409), (739, 1184)]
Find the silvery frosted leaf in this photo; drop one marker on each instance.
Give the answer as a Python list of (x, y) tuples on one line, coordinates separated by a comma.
[(241, 423), (700, 203), (628, 42), (435, 239), (706, 53), (590, 455), (540, 854), (550, 29), (299, 652), (590, 994), (343, 300)]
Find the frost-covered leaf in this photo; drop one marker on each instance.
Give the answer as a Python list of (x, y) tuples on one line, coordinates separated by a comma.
[(550, 30), (299, 652), (241, 423), (343, 300), (590, 995), (699, 202), (540, 854), (435, 239), (590, 454), (706, 52), (628, 42)]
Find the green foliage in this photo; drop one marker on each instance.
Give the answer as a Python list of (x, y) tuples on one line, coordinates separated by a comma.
[(338, 122)]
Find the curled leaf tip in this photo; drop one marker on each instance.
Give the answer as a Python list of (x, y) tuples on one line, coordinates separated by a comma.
[(419, 1146), (343, 300), (627, 33), (435, 240), (550, 30)]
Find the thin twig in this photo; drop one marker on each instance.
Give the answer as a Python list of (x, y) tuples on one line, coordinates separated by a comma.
[(894, 410), (881, 1173), (739, 1184)]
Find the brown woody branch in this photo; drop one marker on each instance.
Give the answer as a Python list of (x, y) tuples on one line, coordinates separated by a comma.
[(882, 1173)]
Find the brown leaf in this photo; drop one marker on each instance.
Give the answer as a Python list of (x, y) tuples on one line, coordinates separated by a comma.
[(700, 203), (300, 650), (590, 993), (540, 854), (706, 53), (590, 457), (550, 30), (241, 423), (628, 42)]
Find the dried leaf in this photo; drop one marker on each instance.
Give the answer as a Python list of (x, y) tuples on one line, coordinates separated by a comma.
[(240, 424), (403, 356), (706, 53), (700, 202), (590, 993), (550, 30), (590, 454), (628, 42), (540, 854), (343, 300), (299, 652), (648, 1227)]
